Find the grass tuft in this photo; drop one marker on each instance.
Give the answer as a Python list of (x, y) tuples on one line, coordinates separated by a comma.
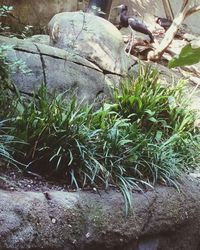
[(144, 136)]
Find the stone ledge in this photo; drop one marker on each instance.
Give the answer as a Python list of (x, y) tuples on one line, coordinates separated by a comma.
[(160, 219)]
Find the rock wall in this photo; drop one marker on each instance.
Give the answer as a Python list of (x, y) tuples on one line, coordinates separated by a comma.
[(59, 70), (161, 219)]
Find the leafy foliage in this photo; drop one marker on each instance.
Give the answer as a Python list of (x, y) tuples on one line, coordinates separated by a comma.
[(55, 132), (188, 56), (25, 30), (9, 65), (7, 142), (143, 137), (4, 142), (7, 90), (5, 139), (157, 109), (4, 11), (5, 85)]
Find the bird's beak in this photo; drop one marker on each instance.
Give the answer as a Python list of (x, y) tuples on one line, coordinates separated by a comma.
[(117, 7), (101, 12)]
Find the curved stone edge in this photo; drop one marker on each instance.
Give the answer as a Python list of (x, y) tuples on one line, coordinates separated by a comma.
[(160, 219), (93, 37), (46, 50)]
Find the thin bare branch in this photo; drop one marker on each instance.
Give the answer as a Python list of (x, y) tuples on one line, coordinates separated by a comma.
[(171, 32), (193, 10), (185, 3)]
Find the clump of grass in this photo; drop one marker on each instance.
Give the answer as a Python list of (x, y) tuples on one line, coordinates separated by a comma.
[(155, 107), (7, 142), (55, 131), (143, 137), (5, 94)]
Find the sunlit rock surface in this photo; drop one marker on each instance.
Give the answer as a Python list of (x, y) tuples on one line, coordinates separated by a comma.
[(91, 37)]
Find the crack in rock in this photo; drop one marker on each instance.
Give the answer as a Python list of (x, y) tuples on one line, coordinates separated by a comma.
[(43, 64), (105, 72), (150, 214)]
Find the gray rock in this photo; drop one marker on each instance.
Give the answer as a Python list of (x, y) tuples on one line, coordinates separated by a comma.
[(43, 39), (91, 37), (161, 219), (86, 57), (59, 70)]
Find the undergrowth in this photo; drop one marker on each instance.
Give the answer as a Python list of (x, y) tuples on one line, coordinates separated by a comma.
[(144, 136), (5, 142)]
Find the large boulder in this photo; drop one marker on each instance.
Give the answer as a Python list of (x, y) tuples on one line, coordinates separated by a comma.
[(91, 37), (86, 57), (161, 219), (59, 70)]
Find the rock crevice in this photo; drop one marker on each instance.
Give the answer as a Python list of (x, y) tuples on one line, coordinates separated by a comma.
[(43, 65)]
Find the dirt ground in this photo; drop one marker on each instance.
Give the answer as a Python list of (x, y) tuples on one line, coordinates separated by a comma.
[(13, 179)]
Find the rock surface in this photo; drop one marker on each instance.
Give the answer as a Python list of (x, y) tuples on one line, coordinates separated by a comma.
[(91, 37), (160, 219), (59, 70), (43, 39), (86, 57)]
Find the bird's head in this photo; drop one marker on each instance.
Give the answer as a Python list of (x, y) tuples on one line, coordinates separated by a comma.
[(156, 18), (121, 8), (96, 10)]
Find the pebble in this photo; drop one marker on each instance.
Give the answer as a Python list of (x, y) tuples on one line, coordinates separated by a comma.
[(87, 235), (53, 220)]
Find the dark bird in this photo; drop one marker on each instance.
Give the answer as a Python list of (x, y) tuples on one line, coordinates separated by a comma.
[(97, 7), (134, 23), (163, 22)]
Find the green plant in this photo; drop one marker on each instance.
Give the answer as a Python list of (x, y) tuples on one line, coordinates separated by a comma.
[(156, 108), (6, 142), (187, 56), (5, 93), (8, 65), (137, 140), (146, 136), (54, 130), (25, 30), (4, 11), (8, 90)]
